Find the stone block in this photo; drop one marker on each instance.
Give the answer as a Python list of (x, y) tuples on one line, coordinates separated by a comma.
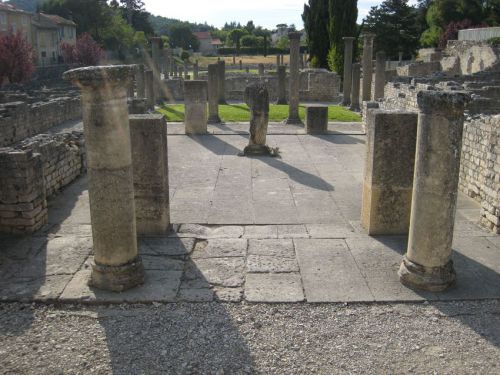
[(195, 101), (316, 119)]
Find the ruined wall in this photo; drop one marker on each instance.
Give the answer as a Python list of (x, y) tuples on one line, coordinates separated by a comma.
[(31, 172), (469, 57), (19, 120)]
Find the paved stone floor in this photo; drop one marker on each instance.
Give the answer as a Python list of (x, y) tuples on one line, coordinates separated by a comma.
[(257, 229)]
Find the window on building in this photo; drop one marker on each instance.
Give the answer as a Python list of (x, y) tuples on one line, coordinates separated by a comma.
[(3, 19)]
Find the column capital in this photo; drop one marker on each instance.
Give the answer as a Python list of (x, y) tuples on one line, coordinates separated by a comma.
[(96, 76), (368, 36), (348, 39), (442, 101), (294, 35)]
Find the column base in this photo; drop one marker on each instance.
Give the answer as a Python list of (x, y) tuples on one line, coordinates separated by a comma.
[(214, 120), (255, 150), (346, 103), (432, 279), (281, 102), (222, 102), (354, 108), (117, 278), (293, 121)]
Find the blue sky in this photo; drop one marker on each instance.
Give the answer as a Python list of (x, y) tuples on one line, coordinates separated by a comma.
[(266, 13)]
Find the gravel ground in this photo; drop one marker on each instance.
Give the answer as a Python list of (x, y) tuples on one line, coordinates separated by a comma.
[(215, 338)]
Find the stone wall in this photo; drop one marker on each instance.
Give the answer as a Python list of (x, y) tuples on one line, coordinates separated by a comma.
[(32, 171), (20, 120), (469, 57)]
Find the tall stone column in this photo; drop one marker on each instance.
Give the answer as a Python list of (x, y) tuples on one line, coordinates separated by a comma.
[(367, 66), (196, 70), (400, 58), (261, 69), (221, 64), (278, 61), (257, 99), (186, 70), (213, 94), (348, 44), (156, 65), (356, 78), (140, 79), (150, 91), (195, 102), (379, 76), (293, 96), (241, 64), (117, 265), (281, 85), (427, 264)]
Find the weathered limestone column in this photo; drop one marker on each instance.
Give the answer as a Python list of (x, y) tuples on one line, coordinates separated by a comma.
[(348, 43), (261, 69), (241, 64), (150, 91), (316, 119), (213, 94), (221, 64), (176, 70), (356, 77), (367, 66), (293, 95), (282, 57), (281, 85), (388, 181), (278, 61), (156, 65), (427, 264), (379, 76), (148, 135), (196, 70), (234, 59), (117, 265), (195, 101), (257, 98), (186, 70), (400, 59), (140, 79)]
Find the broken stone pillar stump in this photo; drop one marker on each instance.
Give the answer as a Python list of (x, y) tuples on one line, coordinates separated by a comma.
[(356, 78), (221, 64), (257, 99), (195, 112), (293, 96), (427, 264), (261, 69), (316, 119), (213, 94), (347, 84), (281, 85), (388, 180), (117, 265), (139, 78), (150, 169), (379, 76), (367, 66), (150, 91)]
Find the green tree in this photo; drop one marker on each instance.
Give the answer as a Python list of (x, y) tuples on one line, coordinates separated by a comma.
[(283, 42), (235, 36), (395, 25), (343, 15), (182, 36), (316, 20)]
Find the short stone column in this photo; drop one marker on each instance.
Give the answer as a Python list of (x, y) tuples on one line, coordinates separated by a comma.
[(213, 94), (257, 99), (281, 85), (356, 78), (347, 84), (196, 70), (316, 119), (293, 95), (195, 102), (156, 65), (261, 69), (150, 91), (379, 76), (141, 81), (367, 66), (427, 264), (117, 265), (150, 169), (221, 64), (388, 181)]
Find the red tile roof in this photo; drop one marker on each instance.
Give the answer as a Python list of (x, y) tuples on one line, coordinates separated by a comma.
[(203, 35), (59, 20)]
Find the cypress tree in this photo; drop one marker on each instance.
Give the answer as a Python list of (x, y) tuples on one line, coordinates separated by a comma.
[(316, 19)]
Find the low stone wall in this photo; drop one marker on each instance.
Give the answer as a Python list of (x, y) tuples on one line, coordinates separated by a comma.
[(419, 69), (469, 57), (31, 172), (19, 120)]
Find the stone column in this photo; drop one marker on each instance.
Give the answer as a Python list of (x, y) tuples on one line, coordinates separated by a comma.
[(278, 61), (165, 67), (140, 79), (213, 94), (348, 44), (367, 66), (293, 95), (148, 135), (195, 112), (156, 65), (241, 64), (427, 264), (282, 57), (261, 69), (186, 70), (379, 76), (400, 54), (257, 98), (172, 62), (117, 265), (176, 70), (388, 181), (356, 77), (281, 85), (221, 64), (196, 69), (234, 59), (150, 92)]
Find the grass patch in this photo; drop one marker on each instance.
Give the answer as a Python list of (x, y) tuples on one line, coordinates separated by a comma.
[(241, 113)]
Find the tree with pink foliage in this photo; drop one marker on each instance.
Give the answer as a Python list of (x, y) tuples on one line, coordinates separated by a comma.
[(16, 58), (451, 32), (85, 52)]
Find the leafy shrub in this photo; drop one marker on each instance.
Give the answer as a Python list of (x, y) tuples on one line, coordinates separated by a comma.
[(16, 58), (451, 31), (85, 52)]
